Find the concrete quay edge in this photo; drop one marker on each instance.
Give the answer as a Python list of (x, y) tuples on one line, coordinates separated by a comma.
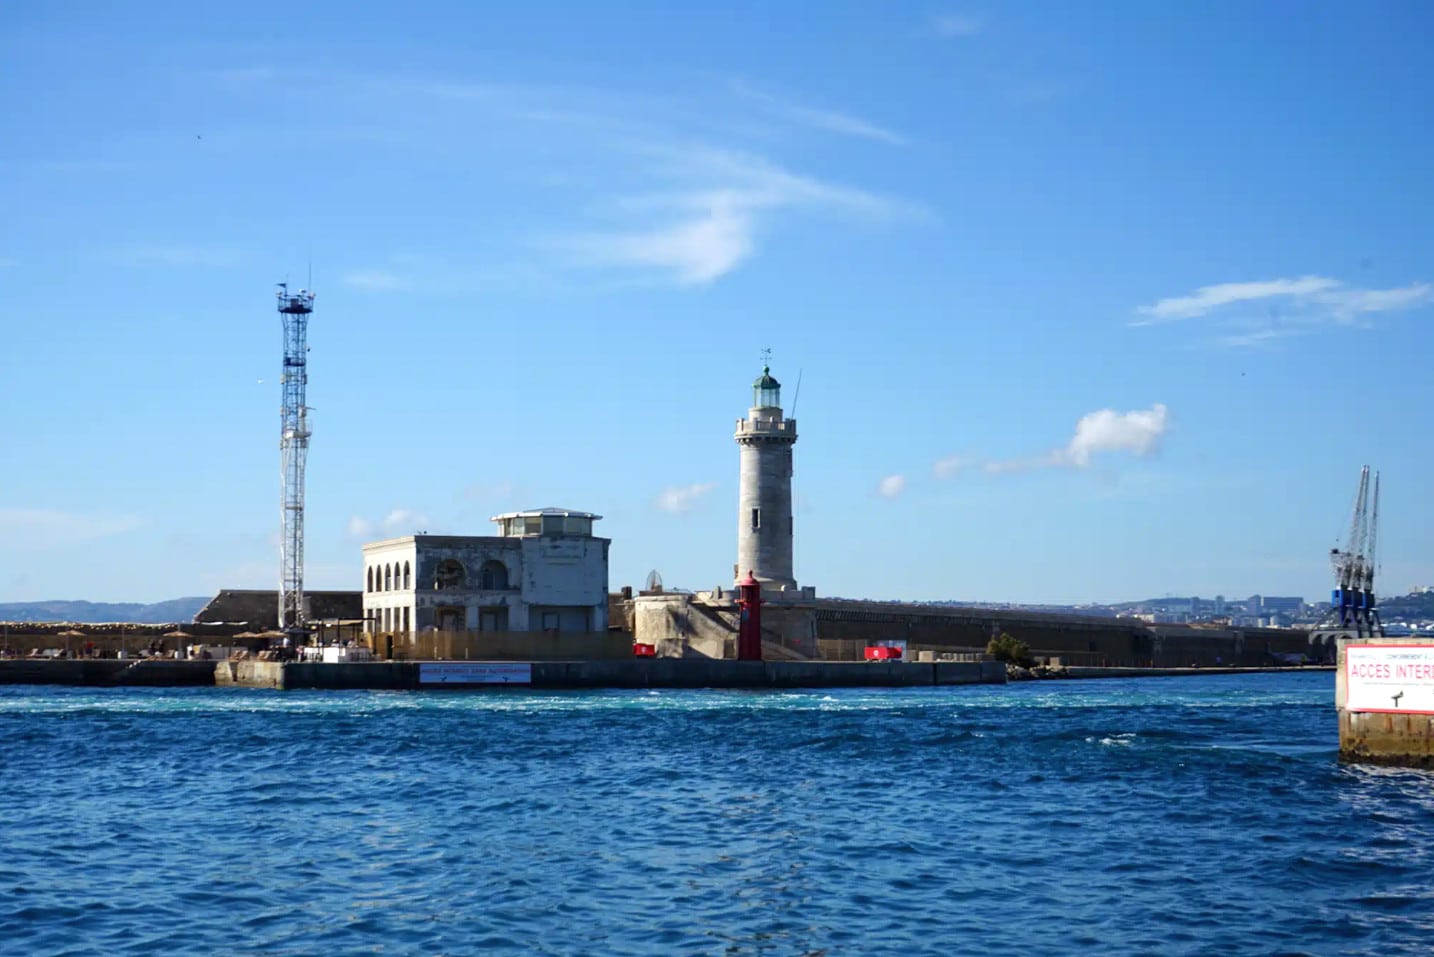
[(622, 673)]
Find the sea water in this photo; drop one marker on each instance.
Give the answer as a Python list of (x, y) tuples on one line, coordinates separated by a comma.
[(1204, 815)]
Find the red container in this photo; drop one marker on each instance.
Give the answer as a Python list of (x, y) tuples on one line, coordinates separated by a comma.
[(641, 650)]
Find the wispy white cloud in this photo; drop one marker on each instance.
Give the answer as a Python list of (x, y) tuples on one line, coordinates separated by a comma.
[(404, 521), (1209, 298), (39, 528), (694, 250), (891, 486), (667, 186), (1353, 302), (681, 499), (1262, 312), (949, 466), (711, 224), (957, 25), (360, 527), (831, 121)]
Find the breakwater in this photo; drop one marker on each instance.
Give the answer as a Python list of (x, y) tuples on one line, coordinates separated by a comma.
[(614, 673), (107, 672), (414, 675)]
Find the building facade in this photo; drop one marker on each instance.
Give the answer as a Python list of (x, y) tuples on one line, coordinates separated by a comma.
[(544, 571), (765, 528)]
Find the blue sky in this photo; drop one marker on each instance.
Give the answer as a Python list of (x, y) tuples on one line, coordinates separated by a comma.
[(1087, 301)]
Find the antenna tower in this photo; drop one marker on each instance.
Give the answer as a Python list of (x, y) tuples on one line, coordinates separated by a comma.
[(294, 310)]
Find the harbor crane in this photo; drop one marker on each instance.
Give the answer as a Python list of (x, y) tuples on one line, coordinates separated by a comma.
[(1353, 610)]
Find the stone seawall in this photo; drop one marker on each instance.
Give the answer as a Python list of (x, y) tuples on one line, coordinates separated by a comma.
[(107, 672)]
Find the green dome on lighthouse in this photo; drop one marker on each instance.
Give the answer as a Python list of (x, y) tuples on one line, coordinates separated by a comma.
[(766, 381)]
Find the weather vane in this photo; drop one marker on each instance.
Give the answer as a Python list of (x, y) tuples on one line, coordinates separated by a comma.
[(767, 358)]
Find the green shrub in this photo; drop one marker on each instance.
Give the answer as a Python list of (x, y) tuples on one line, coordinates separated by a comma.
[(1010, 650)]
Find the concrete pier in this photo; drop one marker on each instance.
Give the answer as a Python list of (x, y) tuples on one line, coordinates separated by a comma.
[(1384, 697), (618, 673)]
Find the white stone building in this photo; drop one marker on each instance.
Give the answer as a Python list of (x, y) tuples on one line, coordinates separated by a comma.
[(544, 571)]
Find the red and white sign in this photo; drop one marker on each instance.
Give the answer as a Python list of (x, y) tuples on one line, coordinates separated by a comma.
[(1398, 679)]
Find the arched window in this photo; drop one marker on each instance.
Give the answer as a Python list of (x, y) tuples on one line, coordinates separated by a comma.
[(450, 574), (493, 576), (369, 586), (407, 577), (388, 578)]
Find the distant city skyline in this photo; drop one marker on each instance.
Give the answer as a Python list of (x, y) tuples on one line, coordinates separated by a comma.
[(1084, 302)]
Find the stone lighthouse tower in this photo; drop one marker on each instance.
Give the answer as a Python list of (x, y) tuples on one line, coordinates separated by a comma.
[(764, 500)]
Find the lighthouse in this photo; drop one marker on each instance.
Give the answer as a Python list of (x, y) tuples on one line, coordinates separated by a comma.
[(764, 498)]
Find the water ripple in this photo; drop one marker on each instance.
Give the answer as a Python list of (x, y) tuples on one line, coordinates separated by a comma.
[(1158, 816)]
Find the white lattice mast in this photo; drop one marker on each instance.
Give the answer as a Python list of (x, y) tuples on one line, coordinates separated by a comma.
[(294, 310)]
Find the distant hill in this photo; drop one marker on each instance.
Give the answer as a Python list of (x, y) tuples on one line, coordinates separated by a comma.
[(1407, 606), (159, 613)]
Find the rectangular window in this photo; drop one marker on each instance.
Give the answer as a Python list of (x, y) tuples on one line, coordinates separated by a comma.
[(756, 519), (405, 618), (552, 524)]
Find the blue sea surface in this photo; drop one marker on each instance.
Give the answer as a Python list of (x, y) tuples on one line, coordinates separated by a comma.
[(1204, 815)]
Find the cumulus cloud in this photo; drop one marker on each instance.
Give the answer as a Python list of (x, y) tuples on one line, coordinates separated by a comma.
[(1138, 432), (681, 499), (1256, 313), (892, 486)]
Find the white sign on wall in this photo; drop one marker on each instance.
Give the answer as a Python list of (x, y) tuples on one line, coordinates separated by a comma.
[(1390, 678), (474, 673)]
